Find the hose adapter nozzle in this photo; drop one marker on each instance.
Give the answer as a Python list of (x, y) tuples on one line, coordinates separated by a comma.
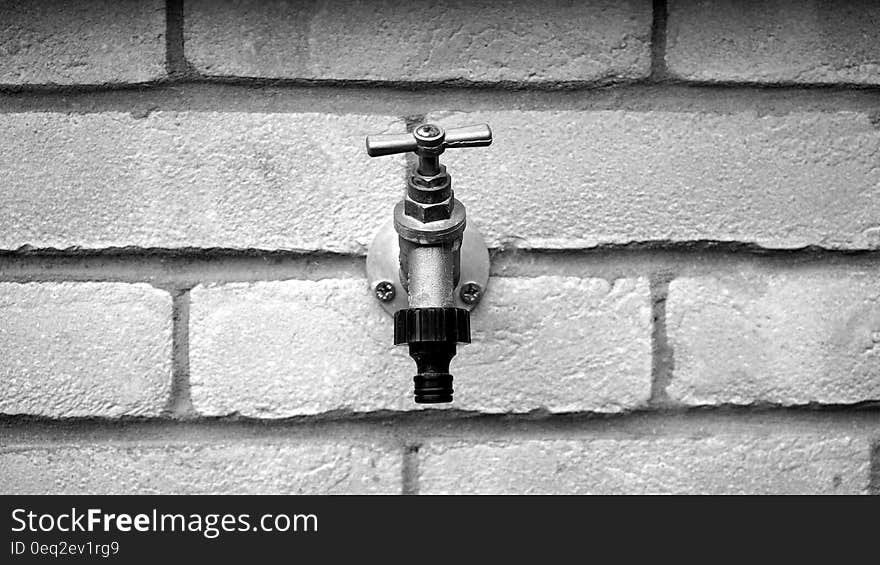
[(432, 335)]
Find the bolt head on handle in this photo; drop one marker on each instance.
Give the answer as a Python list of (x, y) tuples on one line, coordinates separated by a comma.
[(429, 139)]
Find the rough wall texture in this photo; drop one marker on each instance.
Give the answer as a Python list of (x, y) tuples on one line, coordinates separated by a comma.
[(423, 40), (775, 41), (684, 293), (82, 41), (215, 468), (717, 465), (280, 349)]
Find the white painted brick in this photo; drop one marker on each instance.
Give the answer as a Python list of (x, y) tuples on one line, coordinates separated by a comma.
[(772, 41), (81, 41), (279, 349), (714, 465), (84, 349), (579, 179), (794, 337), (571, 179), (208, 468), (512, 40), (194, 179)]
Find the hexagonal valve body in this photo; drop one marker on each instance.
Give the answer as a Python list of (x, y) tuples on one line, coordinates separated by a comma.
[(430, 223)]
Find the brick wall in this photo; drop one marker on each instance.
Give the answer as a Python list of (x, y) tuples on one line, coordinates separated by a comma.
[(683, 206)]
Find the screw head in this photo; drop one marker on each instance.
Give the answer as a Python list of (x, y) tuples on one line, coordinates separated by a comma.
[(470, 293), (385, 291), (428, 130), (429, 135)]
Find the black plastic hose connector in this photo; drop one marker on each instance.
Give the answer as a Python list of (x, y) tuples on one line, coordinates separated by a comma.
[(432, 335)]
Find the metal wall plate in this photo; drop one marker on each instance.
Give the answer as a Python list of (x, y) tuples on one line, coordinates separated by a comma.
[(383, 266)]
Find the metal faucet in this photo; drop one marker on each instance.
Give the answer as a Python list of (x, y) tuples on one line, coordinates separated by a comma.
[(430, 225)]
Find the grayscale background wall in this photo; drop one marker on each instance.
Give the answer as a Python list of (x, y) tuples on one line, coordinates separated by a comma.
[(682, 203)]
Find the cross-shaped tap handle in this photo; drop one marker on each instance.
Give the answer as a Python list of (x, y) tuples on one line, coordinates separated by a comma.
[(428, 141)]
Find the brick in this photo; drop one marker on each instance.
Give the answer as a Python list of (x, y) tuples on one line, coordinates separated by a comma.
[(724, 464), (81, 41), (214, 468), (579, 179), (790, 338), (194, 179), (281, 349), (84, 349), (772, 41), (514, 40), (301, 181)]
